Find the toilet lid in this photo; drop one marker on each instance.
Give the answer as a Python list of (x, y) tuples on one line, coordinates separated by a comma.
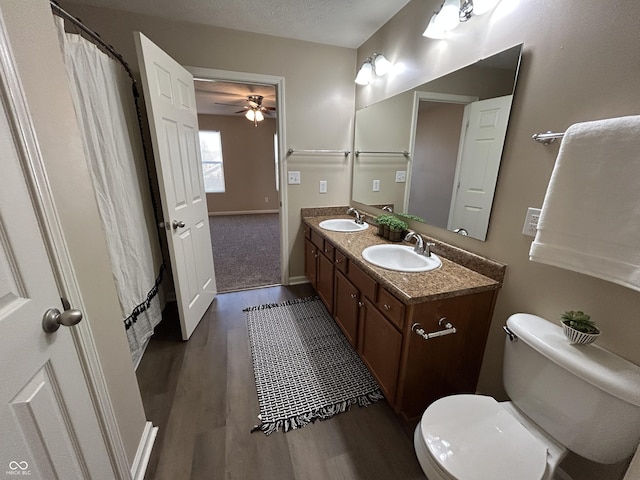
[(473, 438)]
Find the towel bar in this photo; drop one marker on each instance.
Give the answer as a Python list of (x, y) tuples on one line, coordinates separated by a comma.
[(546, 138), (448, 329), (291, 151)]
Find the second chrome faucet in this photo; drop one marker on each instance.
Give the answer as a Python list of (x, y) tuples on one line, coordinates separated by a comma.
[(422, 247)]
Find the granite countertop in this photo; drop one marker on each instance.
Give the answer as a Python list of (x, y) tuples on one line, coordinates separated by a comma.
[(450, 280)]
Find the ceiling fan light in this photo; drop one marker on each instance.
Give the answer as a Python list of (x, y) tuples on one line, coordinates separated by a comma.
[(251, 115), (365, 75), (259, 116), (481, 7), (381, 65)]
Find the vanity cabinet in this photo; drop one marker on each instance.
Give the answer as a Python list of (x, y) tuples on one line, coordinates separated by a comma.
[(412, 371)]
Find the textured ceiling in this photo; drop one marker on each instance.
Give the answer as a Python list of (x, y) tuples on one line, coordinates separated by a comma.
[(345, 23)]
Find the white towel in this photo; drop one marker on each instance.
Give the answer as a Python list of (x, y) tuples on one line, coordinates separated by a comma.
[(590, 220)]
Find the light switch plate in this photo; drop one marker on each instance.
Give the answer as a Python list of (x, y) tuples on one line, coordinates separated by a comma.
[(376, 186), (531, 222), (401, 176), (323, 186), (294, 178)]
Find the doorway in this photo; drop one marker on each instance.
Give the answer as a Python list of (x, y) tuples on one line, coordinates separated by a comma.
[(242, 176)]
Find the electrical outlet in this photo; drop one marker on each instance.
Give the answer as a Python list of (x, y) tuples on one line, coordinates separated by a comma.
[(401, 176), (376, 186), (294, 178), (323, 186), (266, 199), (531, 222)]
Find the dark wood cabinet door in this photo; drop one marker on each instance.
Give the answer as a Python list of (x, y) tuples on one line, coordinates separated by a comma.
[(380, 344), (346, 308), (310, 262), (325, 280)]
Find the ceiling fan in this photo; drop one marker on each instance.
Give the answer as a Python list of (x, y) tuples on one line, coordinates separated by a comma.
[(254, 109)]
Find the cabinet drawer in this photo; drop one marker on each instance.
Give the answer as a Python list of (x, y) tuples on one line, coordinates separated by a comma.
[(341, 261), (317, 240), (362, 281), (391, 307), (328, 249)]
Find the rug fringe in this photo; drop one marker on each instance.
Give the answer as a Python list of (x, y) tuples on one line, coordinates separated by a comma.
[(299, 421), (283, 304)]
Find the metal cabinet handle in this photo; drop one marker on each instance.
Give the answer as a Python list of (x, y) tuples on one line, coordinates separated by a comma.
[(360, 304), (176, 224), (353, 295), (387, 307), (52, 319)]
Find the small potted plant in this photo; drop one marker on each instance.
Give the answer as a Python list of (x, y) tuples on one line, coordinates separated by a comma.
[(579, 328), (391, 227)]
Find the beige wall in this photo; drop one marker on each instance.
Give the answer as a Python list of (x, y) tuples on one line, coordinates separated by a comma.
[(249, 164), (580, 63), (41, 69), (319, 95)]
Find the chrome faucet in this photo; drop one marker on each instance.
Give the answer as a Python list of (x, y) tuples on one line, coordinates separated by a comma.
[(422, 247), (359, 216), (387, 208)]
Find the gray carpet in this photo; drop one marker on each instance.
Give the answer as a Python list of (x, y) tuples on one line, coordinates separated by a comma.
[(246, 250), (305, 368)]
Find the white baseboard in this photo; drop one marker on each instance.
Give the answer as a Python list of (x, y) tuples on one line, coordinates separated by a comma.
[(244, 212), (141, 460), (298, 280)]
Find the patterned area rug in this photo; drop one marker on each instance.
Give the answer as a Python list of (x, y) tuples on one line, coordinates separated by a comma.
[(305, 369)]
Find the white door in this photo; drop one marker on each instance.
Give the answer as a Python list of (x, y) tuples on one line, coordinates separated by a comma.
[(173, 120), (478, 165), (48, 426)]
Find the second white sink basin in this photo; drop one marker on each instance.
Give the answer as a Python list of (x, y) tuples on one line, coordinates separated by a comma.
[(400, 258), (343, 225)]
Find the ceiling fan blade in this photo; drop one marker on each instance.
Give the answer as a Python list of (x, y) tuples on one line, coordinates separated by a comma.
[(230, 104), (241, 111)]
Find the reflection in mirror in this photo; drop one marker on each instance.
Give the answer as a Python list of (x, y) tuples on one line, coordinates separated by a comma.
[(454, 129)]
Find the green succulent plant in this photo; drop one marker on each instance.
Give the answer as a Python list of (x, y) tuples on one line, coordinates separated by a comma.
[(392, 222), (411, 217), (579, 321)]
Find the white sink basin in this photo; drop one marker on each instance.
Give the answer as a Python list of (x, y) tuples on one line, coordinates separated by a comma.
[(343, 225), (401, 258)]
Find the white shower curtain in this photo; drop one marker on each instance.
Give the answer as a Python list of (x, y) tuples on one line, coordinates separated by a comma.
[(105, 107)]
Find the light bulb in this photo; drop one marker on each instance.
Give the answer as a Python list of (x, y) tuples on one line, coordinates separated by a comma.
[(449, 16), (251, 115), (259, 116), (365, 75), (381, 65)]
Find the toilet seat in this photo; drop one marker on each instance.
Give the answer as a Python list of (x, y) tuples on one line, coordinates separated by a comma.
[(472, 437)]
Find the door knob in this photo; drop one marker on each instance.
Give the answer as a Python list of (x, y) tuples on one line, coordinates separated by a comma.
[(177, 224), (53, 319)]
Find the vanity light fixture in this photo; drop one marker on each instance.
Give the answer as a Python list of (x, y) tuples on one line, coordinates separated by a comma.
[(452, 13), (376, 65)]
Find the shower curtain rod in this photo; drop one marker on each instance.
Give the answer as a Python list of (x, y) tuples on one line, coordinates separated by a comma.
[(58, 10)]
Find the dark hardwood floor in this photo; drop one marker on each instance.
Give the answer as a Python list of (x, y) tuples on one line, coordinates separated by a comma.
[(201, 394)]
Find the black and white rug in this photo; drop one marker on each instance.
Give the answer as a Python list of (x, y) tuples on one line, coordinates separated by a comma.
[(305, 369)]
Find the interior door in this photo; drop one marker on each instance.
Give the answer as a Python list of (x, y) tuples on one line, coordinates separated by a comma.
[(478, 164), (48, 424), (173, 120)]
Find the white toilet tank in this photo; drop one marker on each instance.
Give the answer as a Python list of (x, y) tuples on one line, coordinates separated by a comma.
[(584, 396)]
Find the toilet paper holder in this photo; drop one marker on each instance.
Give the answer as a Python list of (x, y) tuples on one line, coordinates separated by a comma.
[(448, 329)]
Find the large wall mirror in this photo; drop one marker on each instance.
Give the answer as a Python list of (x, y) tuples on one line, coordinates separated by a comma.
[(434, 152)]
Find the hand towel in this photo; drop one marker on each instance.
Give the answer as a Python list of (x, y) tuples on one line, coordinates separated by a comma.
[(590, 219)]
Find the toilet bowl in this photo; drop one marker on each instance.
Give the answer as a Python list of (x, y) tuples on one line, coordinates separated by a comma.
[(474, 437), (563, 397)]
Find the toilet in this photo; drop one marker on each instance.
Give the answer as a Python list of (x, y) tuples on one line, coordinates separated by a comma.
[(564, 397)]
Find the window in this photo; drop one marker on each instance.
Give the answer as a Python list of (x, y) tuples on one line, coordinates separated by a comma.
[(212, 164)]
